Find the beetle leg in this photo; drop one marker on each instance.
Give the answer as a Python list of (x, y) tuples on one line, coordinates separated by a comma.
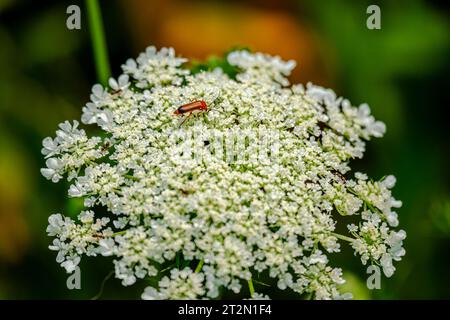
[(184, 120)]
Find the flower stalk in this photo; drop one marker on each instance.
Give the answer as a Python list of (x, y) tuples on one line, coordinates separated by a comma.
[(98, 41)]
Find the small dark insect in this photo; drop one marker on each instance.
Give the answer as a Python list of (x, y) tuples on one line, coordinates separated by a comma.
[(340, 175), (105, 147), (98, 236), (184, 192), (322, 125)]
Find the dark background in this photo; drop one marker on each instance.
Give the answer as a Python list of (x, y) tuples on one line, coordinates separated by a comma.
[(46, 72)]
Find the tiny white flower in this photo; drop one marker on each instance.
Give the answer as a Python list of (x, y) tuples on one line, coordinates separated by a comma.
[(151, 293), (119, 84), (76, 190), (389, 181), (86, 216), (70, 265), (55, 224), (52, 172), (259, 296), (352, 228), (106, 247), (386, 263), (50, 146)]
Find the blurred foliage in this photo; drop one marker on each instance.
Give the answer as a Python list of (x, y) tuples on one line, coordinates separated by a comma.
[(198, 29), (400, 70), (212, 63), (440, 214)]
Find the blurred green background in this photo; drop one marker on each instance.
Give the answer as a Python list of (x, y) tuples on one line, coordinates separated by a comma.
[(46, 72)]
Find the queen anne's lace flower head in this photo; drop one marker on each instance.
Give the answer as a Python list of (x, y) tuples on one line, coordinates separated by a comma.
[(181, 198)]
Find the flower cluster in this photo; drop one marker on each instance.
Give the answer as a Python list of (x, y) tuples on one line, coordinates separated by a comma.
[(73, 240), (201, 225), (182, 284)]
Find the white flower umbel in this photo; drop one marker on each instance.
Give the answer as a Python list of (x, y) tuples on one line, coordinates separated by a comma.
[(185, 197)]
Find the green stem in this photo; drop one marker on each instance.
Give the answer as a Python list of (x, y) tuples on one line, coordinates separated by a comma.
[(342, 237), (98, 41), (199, 266), (102, 286), (251, 287), (169, 267), (129, 176), (261, 283)]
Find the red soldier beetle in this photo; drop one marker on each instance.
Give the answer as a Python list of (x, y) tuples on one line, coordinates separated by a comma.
[(190, 108)]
